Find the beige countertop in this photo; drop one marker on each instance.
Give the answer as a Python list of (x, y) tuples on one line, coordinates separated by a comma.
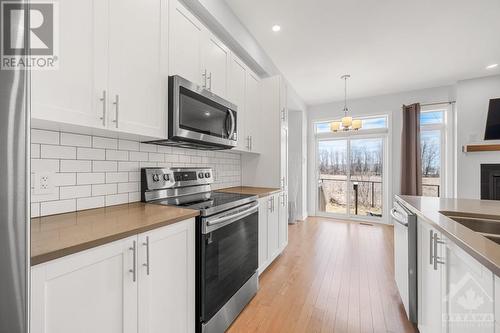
[(56, 236), (258, 191), (481, 248)]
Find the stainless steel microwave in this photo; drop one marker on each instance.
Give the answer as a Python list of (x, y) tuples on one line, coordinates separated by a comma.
[(198, 118)]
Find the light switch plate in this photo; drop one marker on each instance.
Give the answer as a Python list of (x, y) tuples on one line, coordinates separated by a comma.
[(43, 183)]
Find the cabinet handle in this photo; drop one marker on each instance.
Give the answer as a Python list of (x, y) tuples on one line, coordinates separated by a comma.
[(431, 243), (103, 99), (133, 270), (204, 79), (270, 204), (146, 244), (251, 142), (210, 81), (437, 260), (116, 103), (248, 142)]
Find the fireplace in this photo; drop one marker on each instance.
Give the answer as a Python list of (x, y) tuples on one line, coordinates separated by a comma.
[(490, 181)]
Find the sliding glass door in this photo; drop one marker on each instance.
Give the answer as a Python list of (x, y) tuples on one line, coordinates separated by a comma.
[(350, 176)]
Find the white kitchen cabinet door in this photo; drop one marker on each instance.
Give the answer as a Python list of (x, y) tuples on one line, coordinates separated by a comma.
[(283, 220), (216, 59), (469, 291), (166, 262), (264, 204), (497, 306), (92, 291), (236, 95), (273, 226), (253, 113), (71, 94), (138, 74), (430, 295), (186, 40)]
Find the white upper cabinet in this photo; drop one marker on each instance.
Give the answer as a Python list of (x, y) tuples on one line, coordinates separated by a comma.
[(71, 93), (236, 94), (216, 57), (138, 75), (253, 112), (186, 41)]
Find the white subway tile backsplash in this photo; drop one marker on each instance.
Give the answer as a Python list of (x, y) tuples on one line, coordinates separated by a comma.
[(57, 207), (156, 157), (108, 143), (73, 192), (91, 172), (35, 150), (65, 179), (117, 177), (42, 136), (90, 154), (104, 189), (77, 140), (116, 199), (116, 155), (148, 147), (128, 166), (75, 166), (104, 166), (128, 145), (128, 187), (138, 156), (89, 203), (59, 152), (90, 178)]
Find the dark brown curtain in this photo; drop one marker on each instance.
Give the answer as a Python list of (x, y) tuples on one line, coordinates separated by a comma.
[(411, 160)]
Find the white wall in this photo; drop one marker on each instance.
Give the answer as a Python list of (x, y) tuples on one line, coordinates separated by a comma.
[(472, 108), (377, 105)]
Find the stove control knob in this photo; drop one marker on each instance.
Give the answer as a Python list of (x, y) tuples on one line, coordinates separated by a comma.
[(166, 177), (156, 177), (207, 174), (200, 175)]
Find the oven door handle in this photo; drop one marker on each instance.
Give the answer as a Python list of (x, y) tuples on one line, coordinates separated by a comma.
[(226, 218)]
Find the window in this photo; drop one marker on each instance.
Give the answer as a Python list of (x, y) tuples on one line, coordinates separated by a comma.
[(432, 128), (378, 122)]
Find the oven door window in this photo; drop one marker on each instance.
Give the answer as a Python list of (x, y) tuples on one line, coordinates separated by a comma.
[(204, 116), (230, 259)]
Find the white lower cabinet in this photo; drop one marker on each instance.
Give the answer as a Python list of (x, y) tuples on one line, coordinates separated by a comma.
[(143, 283), (497, 302), (456, 292), (273, 237)]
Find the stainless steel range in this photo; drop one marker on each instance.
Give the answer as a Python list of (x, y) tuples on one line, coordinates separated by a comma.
[(226, 240)]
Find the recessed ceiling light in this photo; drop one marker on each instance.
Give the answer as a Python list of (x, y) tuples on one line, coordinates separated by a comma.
[(492, 66), (276, 28)]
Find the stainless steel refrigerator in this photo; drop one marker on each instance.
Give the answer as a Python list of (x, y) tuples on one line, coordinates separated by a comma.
[(14, 194)]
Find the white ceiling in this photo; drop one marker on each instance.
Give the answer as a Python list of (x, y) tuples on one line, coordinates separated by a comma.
[(386, 45)]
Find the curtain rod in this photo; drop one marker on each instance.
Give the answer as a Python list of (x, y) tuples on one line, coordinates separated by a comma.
[(438, 103)]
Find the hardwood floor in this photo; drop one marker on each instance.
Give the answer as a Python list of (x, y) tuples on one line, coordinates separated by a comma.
[(334, 276)]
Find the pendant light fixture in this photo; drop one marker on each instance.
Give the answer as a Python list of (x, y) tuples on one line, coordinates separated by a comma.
[(346, 123)]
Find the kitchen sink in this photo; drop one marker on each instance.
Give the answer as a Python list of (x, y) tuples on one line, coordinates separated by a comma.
[(489, 228)]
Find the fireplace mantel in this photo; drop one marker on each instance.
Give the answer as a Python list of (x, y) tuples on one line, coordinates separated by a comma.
[(481, 147)]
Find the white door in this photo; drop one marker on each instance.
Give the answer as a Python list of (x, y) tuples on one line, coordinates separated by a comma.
[(236, 94), (264, 204), (138, 66), (166, 262), (91, 291), (273, 226), (253, 113), (186, 38), (71, 94), (216, 57), (429, 283), (401, 262)]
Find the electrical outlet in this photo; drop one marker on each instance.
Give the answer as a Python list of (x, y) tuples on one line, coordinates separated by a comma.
[(43, 183)]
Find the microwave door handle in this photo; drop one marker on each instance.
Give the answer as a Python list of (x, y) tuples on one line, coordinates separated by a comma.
[(233, 124)]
